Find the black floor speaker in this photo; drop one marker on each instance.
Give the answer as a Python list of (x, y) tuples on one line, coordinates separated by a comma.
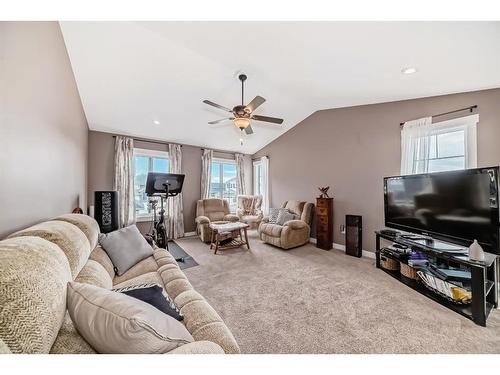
[(354, 235), (106, 210)]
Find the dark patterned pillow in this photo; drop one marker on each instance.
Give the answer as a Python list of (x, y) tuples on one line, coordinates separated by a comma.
[(155, 295)]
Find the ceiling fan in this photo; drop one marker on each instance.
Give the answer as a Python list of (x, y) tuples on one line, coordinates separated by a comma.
[(242, 114)]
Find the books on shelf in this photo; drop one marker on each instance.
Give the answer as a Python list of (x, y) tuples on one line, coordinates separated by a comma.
[(451, 291)]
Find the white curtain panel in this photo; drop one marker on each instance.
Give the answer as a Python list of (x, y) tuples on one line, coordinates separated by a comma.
[(175, 227), (415, 145), (123, 180), (265, 184), (416, 139), (240, 174), (206, 173)]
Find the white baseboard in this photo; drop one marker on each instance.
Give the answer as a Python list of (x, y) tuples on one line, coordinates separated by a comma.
[(189, 234), (337, 246)]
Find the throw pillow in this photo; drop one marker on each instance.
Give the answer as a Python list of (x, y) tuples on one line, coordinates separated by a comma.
[(126, 247), (284, 216), (155, 295), (115, 323), (273, 215)]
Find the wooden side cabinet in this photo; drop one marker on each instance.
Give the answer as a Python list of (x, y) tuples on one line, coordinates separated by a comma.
[(324, 223)]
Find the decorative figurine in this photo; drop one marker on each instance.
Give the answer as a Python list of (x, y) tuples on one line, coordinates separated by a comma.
[(324, 192)]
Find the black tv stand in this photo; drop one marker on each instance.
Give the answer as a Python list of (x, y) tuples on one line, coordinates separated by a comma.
[(484, 276)]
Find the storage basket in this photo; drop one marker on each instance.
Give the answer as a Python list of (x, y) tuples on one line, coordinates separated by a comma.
[(389, 263), (408, 271)]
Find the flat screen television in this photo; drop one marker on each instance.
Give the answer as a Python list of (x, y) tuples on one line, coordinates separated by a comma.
[(455, 206)]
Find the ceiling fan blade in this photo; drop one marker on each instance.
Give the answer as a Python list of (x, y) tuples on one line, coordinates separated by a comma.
[(249, 129), (256, 102), (217, 105), (274, 120), (222, 119)]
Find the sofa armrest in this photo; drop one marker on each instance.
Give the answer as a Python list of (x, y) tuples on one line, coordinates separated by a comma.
[(240, 212), (231, 217), (265, 219), (296, 224), (202, 220), (198, 347)]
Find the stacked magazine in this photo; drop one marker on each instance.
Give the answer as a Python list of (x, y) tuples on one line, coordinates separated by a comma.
[(451, 291)]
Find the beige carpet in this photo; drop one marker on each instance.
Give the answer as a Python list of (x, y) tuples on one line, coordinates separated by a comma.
[(308, 300)]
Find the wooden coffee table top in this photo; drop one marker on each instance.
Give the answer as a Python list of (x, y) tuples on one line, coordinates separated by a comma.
[(227, 226)]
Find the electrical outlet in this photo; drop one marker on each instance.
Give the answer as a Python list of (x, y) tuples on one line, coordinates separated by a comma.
[(342, 229)]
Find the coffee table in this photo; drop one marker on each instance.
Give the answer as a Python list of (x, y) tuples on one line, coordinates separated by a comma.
[(224, 230)]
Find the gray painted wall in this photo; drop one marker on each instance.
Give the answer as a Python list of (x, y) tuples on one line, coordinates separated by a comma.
[(101, 161), (352, 149), (43, 129)]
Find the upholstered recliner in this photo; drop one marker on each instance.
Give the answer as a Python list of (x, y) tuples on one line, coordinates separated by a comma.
[(249, 209), (293, 233), (208, 210)]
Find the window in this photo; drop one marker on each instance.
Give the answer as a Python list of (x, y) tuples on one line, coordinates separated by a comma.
[(258, 178), (146, 161), (223, 182), (446, 153), (443, 146)]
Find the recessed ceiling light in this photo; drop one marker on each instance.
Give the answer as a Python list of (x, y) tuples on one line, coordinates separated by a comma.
[(409, 70), (156, 122)]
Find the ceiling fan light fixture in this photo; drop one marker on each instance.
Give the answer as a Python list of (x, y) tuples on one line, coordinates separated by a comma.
[(241, 122)]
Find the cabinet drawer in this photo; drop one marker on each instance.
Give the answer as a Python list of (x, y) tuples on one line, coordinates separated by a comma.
[(322, 203), (322, 211), (322, 220)]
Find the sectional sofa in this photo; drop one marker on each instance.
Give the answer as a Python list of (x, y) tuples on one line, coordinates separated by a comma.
[(37, 263)]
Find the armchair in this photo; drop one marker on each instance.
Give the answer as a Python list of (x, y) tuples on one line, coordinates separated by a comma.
[(209, 210), (249, 209), (293, 233)]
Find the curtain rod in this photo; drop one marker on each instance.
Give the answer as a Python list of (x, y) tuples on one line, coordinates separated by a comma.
[(221, 151), (260, 157), (150, 140), (471, 109)]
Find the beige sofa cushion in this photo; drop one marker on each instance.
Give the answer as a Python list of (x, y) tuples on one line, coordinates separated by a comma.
[(69, 341), (273, 230), (198, 347), (88, 225), (116, 323), (144, 266), (94, 274), (203, 322), (146, 278), (101, 257), (4, 349), (67, 236), (33, 277)]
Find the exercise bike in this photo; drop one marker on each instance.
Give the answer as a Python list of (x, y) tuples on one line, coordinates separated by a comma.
[(162, 185)]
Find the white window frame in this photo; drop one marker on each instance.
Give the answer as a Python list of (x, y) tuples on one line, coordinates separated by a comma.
[(150, 154), (467, 124), (221, 175), (256, 177)]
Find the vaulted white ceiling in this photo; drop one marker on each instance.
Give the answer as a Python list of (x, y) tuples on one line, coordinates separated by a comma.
[(131, 73)]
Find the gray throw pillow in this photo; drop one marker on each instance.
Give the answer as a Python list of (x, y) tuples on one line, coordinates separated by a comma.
[(126, 247), (273, 215), (284, 216)]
